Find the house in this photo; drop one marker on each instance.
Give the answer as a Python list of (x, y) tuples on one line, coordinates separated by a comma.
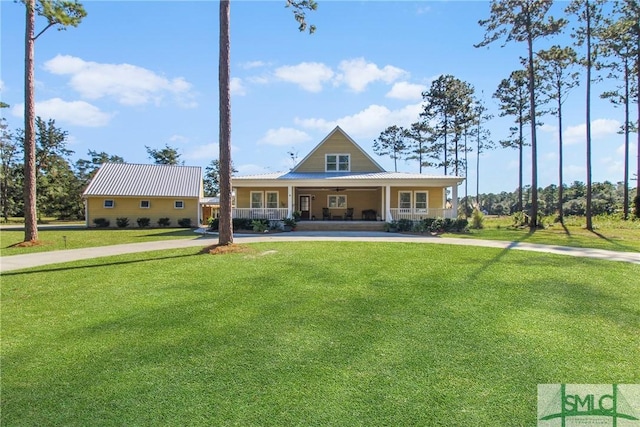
[(338, 180), (124, 190)]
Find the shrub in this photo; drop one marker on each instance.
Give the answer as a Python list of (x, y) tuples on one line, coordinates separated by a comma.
[(259, 225), (437, 226), (405, 224), (143, 222), (477, 219), (101, 222), (242, 224), (213, 223), (164, 222), (122, 222), (459, 225), (184, 222), (636, 206)]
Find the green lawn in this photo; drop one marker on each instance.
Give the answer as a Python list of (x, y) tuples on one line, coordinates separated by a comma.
[(614, 235), (53, 239), (312, 333)]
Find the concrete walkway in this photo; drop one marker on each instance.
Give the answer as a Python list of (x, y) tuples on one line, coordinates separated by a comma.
[(16, 262)]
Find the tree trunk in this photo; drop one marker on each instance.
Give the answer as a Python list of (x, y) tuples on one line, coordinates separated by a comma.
[(533, 221), (225, 225), (30, 209), (520, 147), (626, 139), (588, 118), (560, 159), (638, 122)]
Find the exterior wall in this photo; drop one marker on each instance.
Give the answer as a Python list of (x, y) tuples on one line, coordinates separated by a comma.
[(338, 144), (435, 195), (243, 196), (129, 207), (359, 200)]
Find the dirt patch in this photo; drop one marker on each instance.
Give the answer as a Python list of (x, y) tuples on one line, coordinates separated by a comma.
[(30, 244), (227, 249)]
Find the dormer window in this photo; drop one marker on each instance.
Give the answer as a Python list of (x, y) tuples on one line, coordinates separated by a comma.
[(337, 163)]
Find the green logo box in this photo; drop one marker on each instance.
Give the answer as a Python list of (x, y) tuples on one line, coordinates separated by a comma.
[(578, 405)]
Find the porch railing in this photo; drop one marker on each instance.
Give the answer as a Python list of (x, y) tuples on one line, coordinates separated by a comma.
[(418, 214), (260, 213)]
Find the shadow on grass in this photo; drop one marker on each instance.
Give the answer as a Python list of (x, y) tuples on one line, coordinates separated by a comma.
[(98, 264), (613, 242)]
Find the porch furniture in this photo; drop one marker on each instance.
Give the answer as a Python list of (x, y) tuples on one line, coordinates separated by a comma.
[(349, 214), (369, 215), (326, 214)]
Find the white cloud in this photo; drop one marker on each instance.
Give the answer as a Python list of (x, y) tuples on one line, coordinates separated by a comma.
[(127, 84), (178, 139), (78, 113), (600, 128), (406, 91), (308, 75), (357, 73), (253, 64), (367, 123), (205, 152), (237, 88), (284, 136), (548, 128)]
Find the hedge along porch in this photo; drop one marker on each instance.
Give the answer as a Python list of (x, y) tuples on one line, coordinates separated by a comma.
[(121, 190), (338, 180)]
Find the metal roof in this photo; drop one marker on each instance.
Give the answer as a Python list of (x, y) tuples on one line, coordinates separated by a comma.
[(126, 179), (336, 176)]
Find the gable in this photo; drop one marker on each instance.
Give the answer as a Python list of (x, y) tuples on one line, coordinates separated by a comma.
[(126, 179), (337, 142)]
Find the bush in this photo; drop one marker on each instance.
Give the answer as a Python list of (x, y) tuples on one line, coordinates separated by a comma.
[(184, 222), (636, 206), (143, 222), (260, 225), (122, 222), (477, 219), (101, 222), (213, 224), (405, 224), (164, 222), (242, 224), (437, 226)]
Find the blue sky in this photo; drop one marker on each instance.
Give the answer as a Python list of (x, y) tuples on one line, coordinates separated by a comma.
[(145, 73)]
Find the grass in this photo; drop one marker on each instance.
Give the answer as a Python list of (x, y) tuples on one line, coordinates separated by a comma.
[(312, 333), (615, 235), (54, 239)]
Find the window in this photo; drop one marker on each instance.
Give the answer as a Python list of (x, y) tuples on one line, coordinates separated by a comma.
[(108, 204), (337, 202), (404, 199), (145, 204), (256, 200), (337, 163), (178, 204), (272, 199), (421, 201)]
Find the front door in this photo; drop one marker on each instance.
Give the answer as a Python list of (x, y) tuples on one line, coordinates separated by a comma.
[(305, 207)]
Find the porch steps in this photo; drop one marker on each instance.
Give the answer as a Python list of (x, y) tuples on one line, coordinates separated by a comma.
[(340, 226)]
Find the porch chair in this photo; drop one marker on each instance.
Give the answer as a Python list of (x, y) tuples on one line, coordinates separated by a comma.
[(326, 214), (349, 214)]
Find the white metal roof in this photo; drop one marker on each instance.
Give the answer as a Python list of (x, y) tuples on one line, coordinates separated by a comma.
[(126, 179)]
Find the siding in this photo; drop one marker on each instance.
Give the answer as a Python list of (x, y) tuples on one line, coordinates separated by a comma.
[(337, 143), (129, 207)]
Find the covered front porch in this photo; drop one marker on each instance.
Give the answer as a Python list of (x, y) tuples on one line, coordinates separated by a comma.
[(346, 203)]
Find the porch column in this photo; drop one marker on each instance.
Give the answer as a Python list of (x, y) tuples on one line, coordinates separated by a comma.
[(290, 202), (387, 203), (454, 200)]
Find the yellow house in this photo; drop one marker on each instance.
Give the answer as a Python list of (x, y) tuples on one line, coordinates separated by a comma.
[(338, 180), (132, 191)]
